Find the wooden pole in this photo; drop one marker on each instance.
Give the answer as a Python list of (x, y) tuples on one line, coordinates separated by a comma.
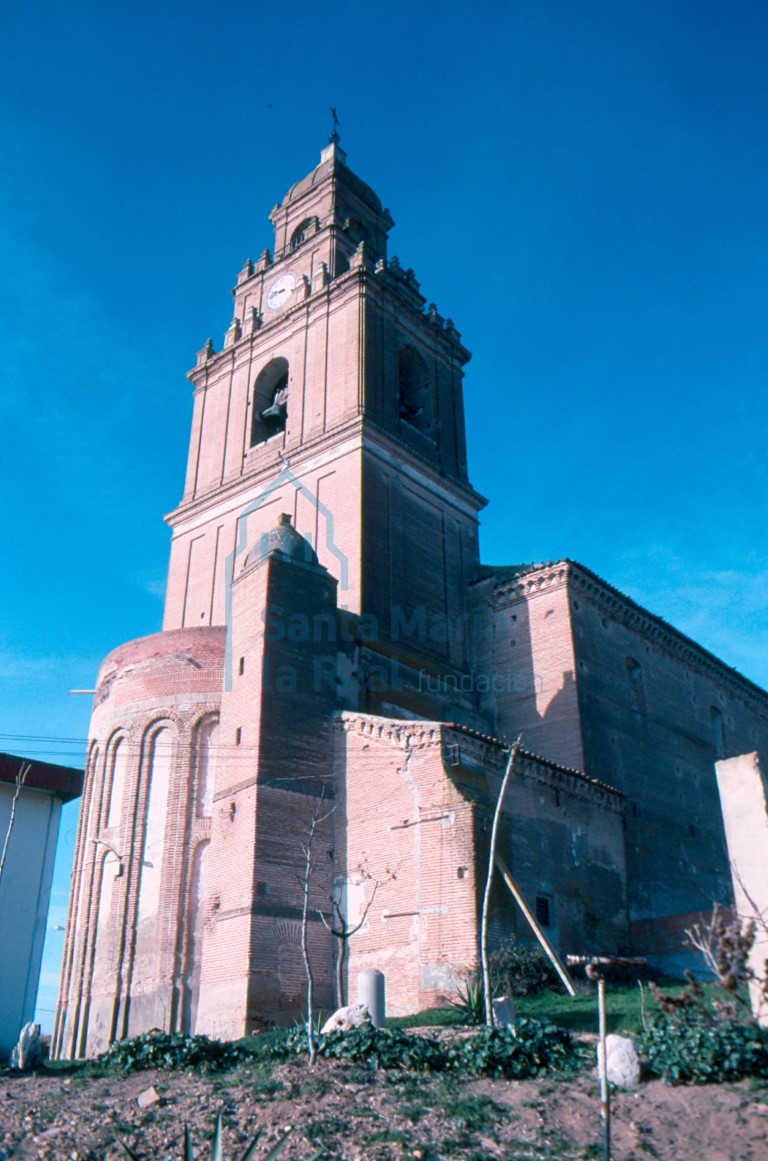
[(555, 960)]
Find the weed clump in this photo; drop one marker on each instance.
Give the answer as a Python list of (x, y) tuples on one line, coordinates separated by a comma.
[(686, 1051), (528, 1049), (470, 1002), (700, 1038), (519, 969), (375, 1047)]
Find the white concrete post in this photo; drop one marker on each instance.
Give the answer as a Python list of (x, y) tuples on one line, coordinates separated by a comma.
[(371, 992), (743, 789)]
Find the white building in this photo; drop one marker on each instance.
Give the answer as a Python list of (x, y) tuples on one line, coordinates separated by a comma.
[(25, 884)]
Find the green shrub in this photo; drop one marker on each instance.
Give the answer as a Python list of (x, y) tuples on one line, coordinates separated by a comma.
[(157, 1049), (690, 1052), (376, 1047), (528, 1049), (518, 969), (470, 1002)]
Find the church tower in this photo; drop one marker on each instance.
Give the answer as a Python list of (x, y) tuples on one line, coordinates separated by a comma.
[(318, 563), (337, 399)]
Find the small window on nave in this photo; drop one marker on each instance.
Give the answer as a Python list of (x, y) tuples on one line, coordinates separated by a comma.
[(636, 684), (270, 402), (718, 731), (543, 911), (415, 391)]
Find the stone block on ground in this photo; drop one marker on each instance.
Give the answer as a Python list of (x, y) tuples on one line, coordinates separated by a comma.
[(345, 1019), (623, 1064), (503, 1011), (150, 1096), (26, 1055)]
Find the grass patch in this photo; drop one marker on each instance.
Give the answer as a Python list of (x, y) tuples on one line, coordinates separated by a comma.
[(260, 1045), (576, 1013), (579, 1013), (315, 1085), (396, 1136), (623, 1008), (473, 1112), (430, 1018), (413, 1113)]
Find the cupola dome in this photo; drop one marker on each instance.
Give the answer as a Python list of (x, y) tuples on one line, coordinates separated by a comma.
[(283, 541)]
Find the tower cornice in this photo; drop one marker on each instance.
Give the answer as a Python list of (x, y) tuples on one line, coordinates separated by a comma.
[(334, 171), (356, 433), (384, 278), (395, 453)]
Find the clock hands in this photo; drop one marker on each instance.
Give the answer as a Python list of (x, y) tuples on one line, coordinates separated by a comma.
[(280, 291)]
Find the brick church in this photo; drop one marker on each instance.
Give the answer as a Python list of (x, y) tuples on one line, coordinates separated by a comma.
[(333, 649)]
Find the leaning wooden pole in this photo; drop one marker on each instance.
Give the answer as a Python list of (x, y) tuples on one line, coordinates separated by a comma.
[(554, 958), (488, 883)]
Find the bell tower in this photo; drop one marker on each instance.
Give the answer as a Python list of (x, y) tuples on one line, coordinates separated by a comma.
[(319, 560), (337, 399)]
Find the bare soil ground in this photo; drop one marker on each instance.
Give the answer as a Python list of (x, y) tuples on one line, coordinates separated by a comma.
[(350, 1113)]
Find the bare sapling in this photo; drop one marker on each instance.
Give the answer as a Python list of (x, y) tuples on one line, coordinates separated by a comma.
[(485, 964), (340, 927), (21, 778), (316, 821), (726, 942)]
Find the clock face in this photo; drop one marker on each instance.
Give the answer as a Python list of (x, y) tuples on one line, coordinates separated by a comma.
[(280, 291)]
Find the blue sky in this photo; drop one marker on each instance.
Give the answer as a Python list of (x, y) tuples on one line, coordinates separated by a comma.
[(582, 187)]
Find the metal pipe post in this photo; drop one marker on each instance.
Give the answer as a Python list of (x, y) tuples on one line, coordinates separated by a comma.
[(605, 1099)]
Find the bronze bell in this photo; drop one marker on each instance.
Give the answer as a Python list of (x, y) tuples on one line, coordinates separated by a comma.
[(274, 411)]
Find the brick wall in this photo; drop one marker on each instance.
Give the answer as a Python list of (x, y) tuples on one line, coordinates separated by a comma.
[(408, 829), (644, 709), (168, 682), (274, 775), (526, 656), (650, 702), (418, 802)]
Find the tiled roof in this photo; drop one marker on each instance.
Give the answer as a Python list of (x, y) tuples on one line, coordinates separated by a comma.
[(505, 745)]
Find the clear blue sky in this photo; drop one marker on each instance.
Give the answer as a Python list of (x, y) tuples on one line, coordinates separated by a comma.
[(582, 187)]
